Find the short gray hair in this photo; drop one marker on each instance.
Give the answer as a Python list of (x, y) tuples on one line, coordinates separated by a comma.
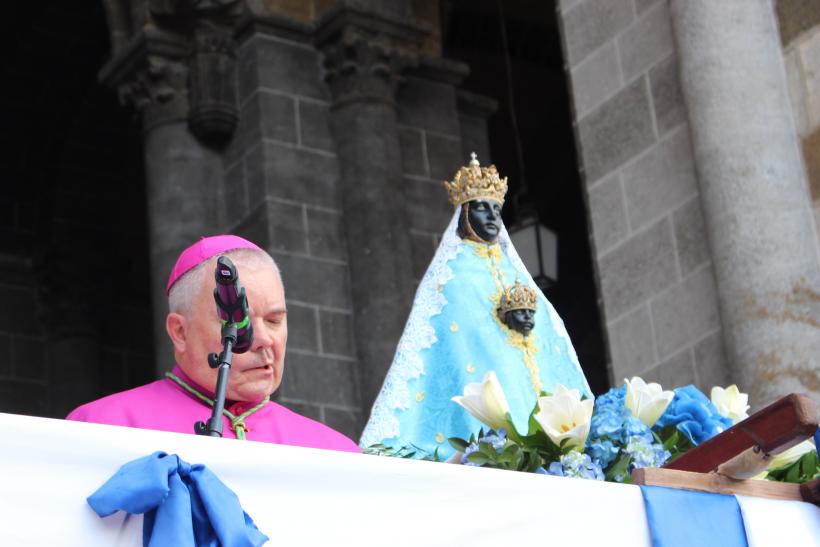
[(185, 290)]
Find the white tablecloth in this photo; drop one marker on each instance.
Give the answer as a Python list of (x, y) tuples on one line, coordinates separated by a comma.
[(301, 496)]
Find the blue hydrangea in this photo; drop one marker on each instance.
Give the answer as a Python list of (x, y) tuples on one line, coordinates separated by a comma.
[(602, 451), (646, 454), (694, 415), (576, 464), (612, 426)]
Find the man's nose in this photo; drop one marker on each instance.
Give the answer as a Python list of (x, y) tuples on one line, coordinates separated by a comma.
[(261, 337)]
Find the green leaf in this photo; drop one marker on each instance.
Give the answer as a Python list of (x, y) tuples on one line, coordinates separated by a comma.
[(478, 458), (459, 444)]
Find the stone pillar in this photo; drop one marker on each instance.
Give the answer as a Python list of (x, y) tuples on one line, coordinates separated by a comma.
[(365, 53), (179, 73), (753, 193)]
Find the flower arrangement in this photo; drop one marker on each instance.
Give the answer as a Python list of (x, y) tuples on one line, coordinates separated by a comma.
[(635, 425)]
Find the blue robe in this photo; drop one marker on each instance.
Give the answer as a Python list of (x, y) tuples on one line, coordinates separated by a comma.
[(454, 338)]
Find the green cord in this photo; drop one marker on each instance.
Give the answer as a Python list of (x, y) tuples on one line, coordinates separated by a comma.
[(237, 422)]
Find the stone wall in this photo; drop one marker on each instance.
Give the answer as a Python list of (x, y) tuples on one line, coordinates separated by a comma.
[(655, 274), (800, 34), (281, 173)]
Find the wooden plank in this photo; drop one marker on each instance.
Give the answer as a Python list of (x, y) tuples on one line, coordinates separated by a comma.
[(712, 482), (779, 426)]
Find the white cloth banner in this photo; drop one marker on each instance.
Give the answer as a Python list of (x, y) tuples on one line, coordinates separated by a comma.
[(301, 496)]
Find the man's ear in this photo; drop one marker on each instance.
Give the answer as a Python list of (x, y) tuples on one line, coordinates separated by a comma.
[(177, 329)]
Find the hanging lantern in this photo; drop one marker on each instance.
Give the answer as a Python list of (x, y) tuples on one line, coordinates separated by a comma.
[(537, 246)]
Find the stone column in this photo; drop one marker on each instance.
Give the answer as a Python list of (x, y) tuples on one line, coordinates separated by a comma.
[(364, 56), (179, 73), (753, 193)]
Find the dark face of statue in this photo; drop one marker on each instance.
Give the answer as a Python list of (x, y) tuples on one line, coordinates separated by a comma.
[(522, 321), (485, 219)]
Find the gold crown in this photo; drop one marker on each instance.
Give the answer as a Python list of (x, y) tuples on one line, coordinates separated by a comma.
[(474, 182), (517, 297)]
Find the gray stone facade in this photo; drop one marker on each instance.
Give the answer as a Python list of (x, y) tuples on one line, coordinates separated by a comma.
[(655, 272), (668, 318)]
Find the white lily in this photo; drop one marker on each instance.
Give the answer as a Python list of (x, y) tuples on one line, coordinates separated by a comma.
[(647, 402), (730, 403), (486, 401), (563, 415), (788, 457)]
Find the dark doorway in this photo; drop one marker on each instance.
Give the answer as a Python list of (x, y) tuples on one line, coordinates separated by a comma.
[(472, 33), (73, 238)]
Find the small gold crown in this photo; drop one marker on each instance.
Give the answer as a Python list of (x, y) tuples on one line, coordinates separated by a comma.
[(517, 297), (474, 182)]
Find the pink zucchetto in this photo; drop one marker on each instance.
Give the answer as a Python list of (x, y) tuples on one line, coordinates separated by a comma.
[(204, 249)]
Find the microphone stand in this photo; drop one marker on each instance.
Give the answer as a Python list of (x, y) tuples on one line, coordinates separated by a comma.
[(213, 428)]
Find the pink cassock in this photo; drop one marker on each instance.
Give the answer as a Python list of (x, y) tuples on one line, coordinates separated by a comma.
[(165, 406)]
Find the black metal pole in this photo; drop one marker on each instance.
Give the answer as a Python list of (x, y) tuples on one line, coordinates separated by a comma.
[(213, 428)]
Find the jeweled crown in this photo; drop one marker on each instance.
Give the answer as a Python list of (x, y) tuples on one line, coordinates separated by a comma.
[(517, 297), (474, 182)]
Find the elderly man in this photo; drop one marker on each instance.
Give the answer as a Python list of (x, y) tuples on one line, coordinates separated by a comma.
[(185, 395)]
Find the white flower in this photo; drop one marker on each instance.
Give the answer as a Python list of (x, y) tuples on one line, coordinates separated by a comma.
[(486, 401), (730, 403), (646, 402), (788, 457), (564, 415)]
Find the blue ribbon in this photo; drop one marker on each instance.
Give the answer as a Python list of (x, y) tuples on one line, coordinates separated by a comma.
[(684, 518), (184, 505)]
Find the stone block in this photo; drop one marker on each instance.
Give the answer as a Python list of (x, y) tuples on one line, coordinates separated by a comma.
[(336, 330), (247, 69), (631, 344), (315, 281), (437, 211), (797, 90), (322, 380), (21, 397), (710, 363), (637, 270), (591, 23), (810, 59), (596, 78), (248, 132), (685, 313), (314, 125), (567, 4), (670, 110), (660, 180), (423, 246), (616, 131), (22, 301), (428, 105), (288, 67), (326, 236), (303, 328), (646, 42), (413, 160), (346, 422), (286, 226), (234, 194), (444, 156), (29, 358), (607, 213), (277, 116), (276, 170), (690, 236), (676, 371), (643, 5)]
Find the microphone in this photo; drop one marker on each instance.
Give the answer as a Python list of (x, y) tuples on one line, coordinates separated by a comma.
[(231, 303)]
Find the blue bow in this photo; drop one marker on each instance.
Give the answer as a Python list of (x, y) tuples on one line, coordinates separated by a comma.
[(184, 505)]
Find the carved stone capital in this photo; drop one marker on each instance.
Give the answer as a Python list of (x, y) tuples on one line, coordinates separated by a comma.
[(365, 54), (182, 65)]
